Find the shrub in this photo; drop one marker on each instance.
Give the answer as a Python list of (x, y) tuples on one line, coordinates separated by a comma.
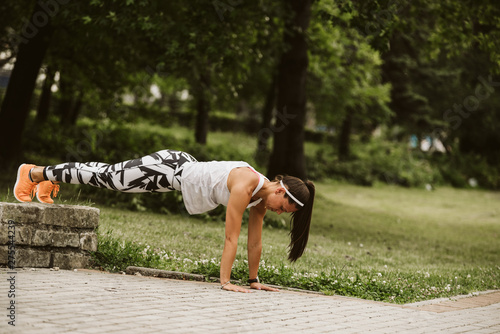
[(376, 160)]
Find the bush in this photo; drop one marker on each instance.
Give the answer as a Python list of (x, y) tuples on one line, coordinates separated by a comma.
[(460, 169), (376, 160)]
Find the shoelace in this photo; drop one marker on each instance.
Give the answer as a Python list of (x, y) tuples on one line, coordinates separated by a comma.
[(33, 190), (54, 190)]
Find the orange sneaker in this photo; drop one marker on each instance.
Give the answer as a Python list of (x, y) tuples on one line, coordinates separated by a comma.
[(44, 190), (25, 189)]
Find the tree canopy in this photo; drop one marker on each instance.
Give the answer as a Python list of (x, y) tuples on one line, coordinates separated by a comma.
[(346, 68)]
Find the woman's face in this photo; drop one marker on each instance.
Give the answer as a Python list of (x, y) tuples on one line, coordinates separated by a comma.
[(278, 203)]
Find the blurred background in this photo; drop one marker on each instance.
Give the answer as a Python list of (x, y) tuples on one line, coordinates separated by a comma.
[(398, 92), (392, 108)]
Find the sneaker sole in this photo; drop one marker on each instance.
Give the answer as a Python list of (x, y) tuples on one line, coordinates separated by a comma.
[(17, 181)]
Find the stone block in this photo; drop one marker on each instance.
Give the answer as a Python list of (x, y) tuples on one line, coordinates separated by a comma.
[(49, 235), (63, 239), (71, 216), (4, 255), (4, 234), (23, 235), (42, 238), (27, 213), (88, 241), (70, 261), (26, 257)]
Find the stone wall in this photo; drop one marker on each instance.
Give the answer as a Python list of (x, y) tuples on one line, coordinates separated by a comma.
[(47, 235)]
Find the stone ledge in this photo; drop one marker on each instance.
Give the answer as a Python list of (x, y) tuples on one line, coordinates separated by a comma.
[(131, 270), (50, 214), (46, 235)]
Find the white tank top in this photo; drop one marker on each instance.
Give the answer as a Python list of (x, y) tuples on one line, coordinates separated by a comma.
[(204, 184)]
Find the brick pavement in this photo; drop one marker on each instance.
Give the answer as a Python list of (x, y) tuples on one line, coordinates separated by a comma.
[(93, 302)]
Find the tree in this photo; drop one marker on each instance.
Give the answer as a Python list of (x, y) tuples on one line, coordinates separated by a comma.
[(46, 97), (288, 146), (346, 85), (16, 104)]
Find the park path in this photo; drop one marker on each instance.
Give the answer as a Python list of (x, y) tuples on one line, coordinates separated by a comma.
[(87, 301)]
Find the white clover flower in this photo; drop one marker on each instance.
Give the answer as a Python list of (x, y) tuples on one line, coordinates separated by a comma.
[(427, 275), (379, 274), (468, 276), (361, 245)]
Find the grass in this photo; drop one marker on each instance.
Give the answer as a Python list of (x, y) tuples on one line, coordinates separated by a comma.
[(382, 243)]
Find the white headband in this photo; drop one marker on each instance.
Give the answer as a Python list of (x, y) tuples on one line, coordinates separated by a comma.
[(289, 194)]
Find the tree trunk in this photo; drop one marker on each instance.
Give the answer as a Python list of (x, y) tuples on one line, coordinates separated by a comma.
[(67, 101), (267, 115), (288, 148), (76, 108), (202, 108), (46, 97), (345, 136), (16, 104)]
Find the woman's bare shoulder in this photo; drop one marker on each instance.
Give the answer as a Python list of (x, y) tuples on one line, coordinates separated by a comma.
[(244, 177)]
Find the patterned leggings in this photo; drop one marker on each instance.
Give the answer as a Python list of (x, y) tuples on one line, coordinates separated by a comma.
[(157, 172)]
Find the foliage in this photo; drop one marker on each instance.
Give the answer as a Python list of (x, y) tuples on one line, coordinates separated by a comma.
[(345, 71), (117, 255), (378, 160), (468, 170), (416, 65)]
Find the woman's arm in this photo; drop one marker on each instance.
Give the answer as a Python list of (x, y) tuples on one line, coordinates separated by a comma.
[(241, 189), (255, 222)]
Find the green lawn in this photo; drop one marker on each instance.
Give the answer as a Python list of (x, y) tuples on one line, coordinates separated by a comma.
[(383, 243)]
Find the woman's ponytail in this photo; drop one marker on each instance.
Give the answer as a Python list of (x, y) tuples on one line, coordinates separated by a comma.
[(301, 219)]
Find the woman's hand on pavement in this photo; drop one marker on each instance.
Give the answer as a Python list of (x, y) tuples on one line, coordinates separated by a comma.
[(258, 286), (255, 286), (235, 288)]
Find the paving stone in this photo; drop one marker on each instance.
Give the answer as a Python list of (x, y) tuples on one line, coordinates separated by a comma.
[(95, 302)]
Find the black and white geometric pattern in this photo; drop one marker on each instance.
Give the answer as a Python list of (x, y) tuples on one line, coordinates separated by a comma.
[(156, 172)]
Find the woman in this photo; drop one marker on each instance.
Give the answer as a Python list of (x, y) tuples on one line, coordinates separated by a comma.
[(204, 186)]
